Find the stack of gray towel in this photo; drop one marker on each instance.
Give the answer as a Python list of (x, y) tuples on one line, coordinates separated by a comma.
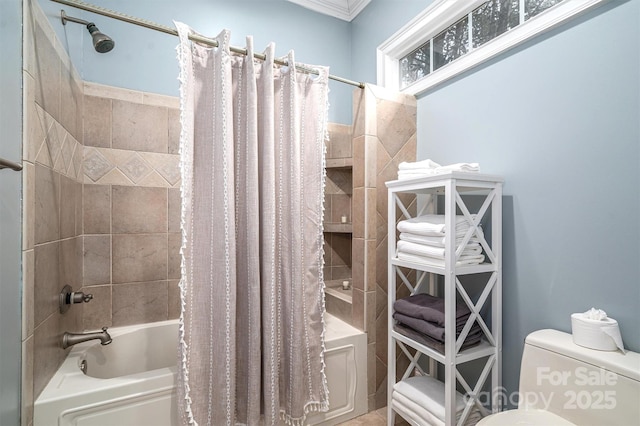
[(421, 318)]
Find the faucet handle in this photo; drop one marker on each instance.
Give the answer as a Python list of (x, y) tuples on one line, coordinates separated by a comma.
[(104, 328), (87, 297)]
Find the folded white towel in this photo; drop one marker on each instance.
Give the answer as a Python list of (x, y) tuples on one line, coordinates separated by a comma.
[(439, 263), (428, 168), (459, 167), (412, 411), (427, 393), (424, 164), (431, 225), (437, 252), (434, 241)]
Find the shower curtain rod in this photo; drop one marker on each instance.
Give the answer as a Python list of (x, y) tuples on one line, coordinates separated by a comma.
[(168, 30)]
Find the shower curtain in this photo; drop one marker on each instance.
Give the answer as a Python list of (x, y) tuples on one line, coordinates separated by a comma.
[(252, 160)]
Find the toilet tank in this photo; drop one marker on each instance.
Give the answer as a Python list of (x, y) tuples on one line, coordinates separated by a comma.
[(584, 386)]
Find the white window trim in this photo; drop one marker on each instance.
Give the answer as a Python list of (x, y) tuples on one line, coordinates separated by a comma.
[(440, 15)]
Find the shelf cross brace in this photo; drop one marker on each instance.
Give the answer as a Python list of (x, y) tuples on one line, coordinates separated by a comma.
[(475, 311), (413, 361), (474, 225)]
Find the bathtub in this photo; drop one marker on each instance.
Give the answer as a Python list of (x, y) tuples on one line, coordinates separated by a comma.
[(131, 382)]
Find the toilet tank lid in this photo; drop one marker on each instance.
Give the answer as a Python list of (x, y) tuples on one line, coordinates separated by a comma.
[(627, 365)]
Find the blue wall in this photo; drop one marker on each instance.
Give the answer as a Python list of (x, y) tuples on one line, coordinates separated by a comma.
[(146, 60), (559, 118)]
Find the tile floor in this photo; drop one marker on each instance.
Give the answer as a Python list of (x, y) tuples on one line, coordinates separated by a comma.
[(374, 418)]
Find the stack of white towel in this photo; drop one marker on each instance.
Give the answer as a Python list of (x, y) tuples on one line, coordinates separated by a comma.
[(421, 399), (422, 240), (428, 167)]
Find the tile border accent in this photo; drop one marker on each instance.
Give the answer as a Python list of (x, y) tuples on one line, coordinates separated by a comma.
[(107, 166)]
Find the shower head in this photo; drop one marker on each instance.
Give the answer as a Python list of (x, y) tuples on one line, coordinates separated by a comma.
[(101, 42)]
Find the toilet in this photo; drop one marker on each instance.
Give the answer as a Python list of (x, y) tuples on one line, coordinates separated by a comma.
[(562, 383)]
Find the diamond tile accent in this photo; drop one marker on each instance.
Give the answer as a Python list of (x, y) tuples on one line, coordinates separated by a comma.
[(135, 168), (167, 165), (95, 165)]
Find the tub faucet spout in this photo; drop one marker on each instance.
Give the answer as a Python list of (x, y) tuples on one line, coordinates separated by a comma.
[(70, 339)]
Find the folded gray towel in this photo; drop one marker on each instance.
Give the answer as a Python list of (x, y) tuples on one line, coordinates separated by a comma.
[(431, 329), (428, 308), (433, 343)]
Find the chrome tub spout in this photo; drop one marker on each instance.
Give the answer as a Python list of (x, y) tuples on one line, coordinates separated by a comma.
[(70, 339)]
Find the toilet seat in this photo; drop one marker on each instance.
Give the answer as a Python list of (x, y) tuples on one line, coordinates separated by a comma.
[(525, 418)]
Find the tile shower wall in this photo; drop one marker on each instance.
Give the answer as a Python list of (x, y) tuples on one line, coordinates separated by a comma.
[(384, 135), (131, 207), (52, 201)]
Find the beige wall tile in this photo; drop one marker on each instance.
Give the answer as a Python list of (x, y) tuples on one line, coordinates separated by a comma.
[(28, 276), (140, 303), (47, 352), (27, 381), (358, 264), (138, 210), (358, 113), (97, 259), (358, 212), (34, 133), (174, 130), (370, 264), (160, 100), (70, 192), (338, 307), (370, 317), (28, 205), (97, 122), (97, 313), (111, 92), (341, 272), (47, 284), (396, 124), (47, 209), (340, 141), (174, 257), (381, 333), (175, 209), (174, 299), (97, 209), (370, 227), (341, 245), (358, 162), (141, 257), (71, 263), (340, 206), (139, 127), (371, 369), (370, 159), (358, 309)]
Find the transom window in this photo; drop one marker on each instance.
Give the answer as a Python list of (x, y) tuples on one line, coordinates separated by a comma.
[(452, 36)]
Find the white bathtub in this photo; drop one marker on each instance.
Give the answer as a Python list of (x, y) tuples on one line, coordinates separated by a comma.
[(131, 382)]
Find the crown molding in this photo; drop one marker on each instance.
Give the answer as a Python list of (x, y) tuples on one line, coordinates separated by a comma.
[(341, 9)]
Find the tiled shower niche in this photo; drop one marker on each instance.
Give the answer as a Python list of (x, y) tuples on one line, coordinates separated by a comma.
[(338, 222)]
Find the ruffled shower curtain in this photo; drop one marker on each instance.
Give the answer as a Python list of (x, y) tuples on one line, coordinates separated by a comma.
[(252, 160)]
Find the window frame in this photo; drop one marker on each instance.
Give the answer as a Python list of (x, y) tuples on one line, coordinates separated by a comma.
[(439, 16)]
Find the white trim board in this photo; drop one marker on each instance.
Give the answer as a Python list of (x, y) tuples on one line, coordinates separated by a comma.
[(341, 9), (442, 13)]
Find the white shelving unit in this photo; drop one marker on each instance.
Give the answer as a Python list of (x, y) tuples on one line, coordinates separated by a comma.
[(452, 187)]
